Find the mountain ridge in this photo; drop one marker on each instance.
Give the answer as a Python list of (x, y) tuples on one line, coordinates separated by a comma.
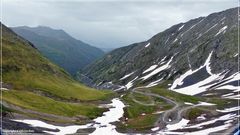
[(189, 44), (60, 47)]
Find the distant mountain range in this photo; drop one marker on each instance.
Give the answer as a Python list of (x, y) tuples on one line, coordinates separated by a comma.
[(64, 50)]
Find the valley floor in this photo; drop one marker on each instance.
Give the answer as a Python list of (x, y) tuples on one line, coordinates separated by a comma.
[(148, 110)]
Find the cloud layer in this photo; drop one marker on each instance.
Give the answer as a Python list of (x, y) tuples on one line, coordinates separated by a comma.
[(109, 23)]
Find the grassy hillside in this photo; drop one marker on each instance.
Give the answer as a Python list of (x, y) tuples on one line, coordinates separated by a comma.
[(38, 103), (29, 77)]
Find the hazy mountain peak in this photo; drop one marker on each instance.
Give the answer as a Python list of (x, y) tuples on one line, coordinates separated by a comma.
[(60, 47)]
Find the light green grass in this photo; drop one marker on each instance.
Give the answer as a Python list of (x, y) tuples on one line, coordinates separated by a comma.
[(39, 103), (142, 98), (134, 109), (57, 86)]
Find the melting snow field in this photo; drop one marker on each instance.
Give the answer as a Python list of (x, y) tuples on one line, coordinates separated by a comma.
[(103, 124), (108, 117), (178, 125), (204, 85), (183, 124), (199, 86), (63, 129)]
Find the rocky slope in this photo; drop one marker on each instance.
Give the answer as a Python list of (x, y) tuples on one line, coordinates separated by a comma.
[(183, 80), (67, 52), (200, 50)]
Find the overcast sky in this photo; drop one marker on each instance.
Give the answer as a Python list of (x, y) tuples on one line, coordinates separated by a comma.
[(109, 23)]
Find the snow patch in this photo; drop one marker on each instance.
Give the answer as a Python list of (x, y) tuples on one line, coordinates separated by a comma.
[(187, 103), (178, 125), (201, 117), (228, 87), (223, 29), (232, 78), (154, 83), (205, 104), (62, 130), (130, 84), (210, 130), (226, 110), (126, 76), (4, 89), (147, 45), (222, 118), (235, 55), (175, 40), (158, 112), (163, 58), (120, 88), (102, 124), (229, 94), (159, 69), (179, 81), (150, 68), (155, 129), (237, 97), (198, 87), (181, 27), (207, 63)]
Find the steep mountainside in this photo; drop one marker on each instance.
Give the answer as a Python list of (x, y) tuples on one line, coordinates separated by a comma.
[(69, 53), (200, 50), (183, 80), (36, 88)]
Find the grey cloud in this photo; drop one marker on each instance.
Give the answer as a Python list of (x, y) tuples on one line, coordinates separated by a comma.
[(109, 23)]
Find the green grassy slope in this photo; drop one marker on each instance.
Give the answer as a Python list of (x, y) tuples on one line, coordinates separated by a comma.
[(43, 104), (26, 71)]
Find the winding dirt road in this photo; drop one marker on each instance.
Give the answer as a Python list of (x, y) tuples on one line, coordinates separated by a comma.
[(170, 116)]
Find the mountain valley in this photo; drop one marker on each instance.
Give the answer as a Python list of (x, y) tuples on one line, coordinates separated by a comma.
[(183, 80), (58, 46)]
